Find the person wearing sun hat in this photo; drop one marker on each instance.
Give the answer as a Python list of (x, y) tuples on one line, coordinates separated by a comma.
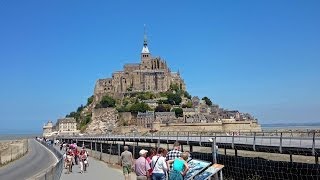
[(142, 167)]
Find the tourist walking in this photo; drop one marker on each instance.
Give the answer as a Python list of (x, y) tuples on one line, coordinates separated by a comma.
[(180, 167), (142, 167), (174, 153), (159, 166), (152, 152), (126, 161), (76, 155), (83, 161), (68, 161)]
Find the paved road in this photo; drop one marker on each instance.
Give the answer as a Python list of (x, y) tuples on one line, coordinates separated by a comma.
[(97, 170), (37, 159)]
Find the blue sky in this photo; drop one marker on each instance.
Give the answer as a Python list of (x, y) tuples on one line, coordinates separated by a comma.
[(261, 57)]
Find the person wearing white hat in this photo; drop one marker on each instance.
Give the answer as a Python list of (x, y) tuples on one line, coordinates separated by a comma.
[(142, 167)]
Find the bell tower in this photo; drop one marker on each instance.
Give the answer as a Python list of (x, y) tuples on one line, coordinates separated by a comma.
[(145, 54)]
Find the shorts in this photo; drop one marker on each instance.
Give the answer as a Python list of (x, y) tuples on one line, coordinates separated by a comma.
[(126, 169)]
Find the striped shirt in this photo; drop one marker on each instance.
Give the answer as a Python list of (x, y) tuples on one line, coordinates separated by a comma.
[(172, 155)]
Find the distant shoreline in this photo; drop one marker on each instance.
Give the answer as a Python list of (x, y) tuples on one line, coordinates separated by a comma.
[(291, 126), (17, 136)]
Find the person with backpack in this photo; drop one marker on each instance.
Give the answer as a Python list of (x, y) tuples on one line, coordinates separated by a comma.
[(159, 166)]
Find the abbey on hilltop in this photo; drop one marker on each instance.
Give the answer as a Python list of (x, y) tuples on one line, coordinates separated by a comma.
[(151, 74), (148, 96)]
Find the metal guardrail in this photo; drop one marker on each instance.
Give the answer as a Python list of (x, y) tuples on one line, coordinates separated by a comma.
[(285, 139), (54, 171)]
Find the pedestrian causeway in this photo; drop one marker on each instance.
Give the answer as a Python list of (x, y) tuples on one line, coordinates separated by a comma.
[(97, 170)]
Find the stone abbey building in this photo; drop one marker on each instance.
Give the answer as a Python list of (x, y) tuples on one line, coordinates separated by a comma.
[(151, 74)]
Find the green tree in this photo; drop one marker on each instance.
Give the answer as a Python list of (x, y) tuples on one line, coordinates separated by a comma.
[(90, 100), (139, 107), (187, 95), (123, 109), (174, 87), (106, 102), (207, 100), (80, 108), (188, 105), (178, 112), (174, 99), (163, 108)]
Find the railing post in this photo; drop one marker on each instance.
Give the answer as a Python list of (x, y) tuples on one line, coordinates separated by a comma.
[(200, 142), (119, 153), (100, 151), (280, 146), (95, 145), (313, 143), (168, 137), (254, 141), (188, 138), (214, 150), (152, 137), (110, 153), (177, 135), (232, 145), (133, 150)]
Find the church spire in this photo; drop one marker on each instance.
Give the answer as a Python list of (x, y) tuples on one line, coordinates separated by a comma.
[(145, 49)]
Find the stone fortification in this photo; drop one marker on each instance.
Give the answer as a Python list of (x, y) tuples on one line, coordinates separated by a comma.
[(103, 120), (151, 74), (223, 126)]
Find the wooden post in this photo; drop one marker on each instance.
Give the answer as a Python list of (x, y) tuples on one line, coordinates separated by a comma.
[(290, 157)]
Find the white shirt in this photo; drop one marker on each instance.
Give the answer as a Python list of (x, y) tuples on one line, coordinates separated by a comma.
[(160, 166)]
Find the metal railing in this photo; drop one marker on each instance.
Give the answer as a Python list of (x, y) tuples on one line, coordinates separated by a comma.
[(286, 139), (54, 171)]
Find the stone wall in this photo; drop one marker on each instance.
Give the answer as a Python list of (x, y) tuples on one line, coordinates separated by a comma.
[(125, 117), (103, 119), (228, 126)]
